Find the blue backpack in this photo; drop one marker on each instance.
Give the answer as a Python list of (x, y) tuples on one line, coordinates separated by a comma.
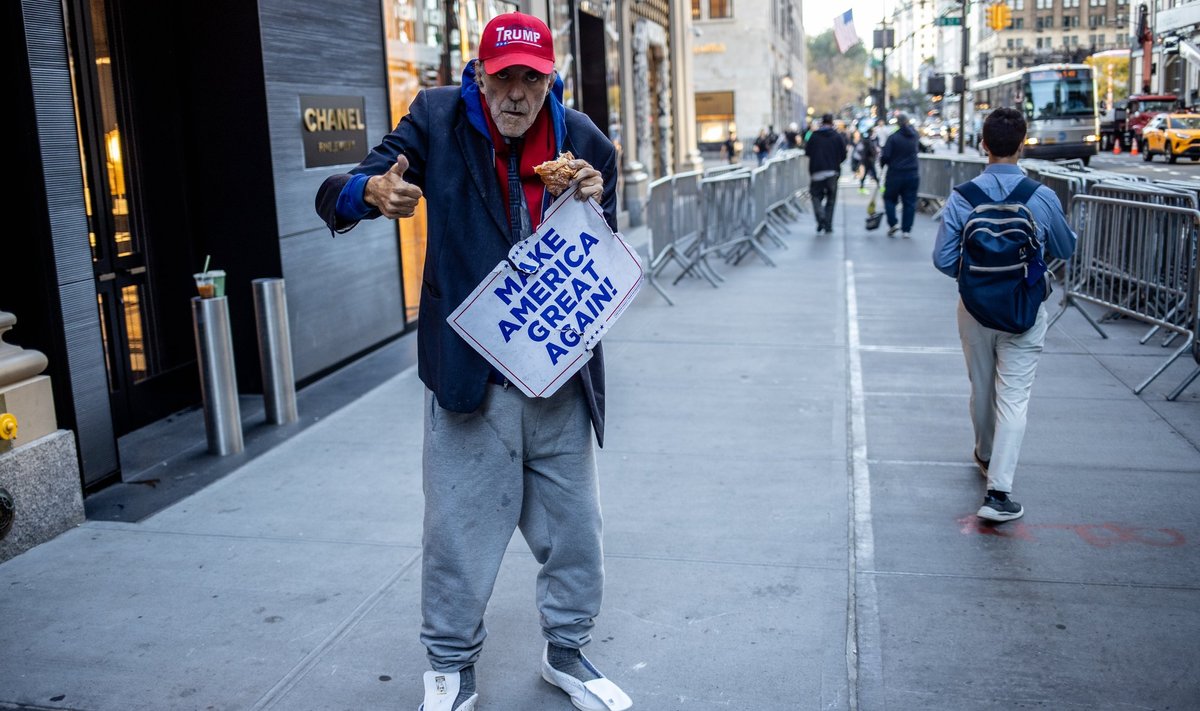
[(1002, 277)]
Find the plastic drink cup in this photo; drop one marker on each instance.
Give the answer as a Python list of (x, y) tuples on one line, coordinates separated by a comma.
[(204, 285), (218, 280)]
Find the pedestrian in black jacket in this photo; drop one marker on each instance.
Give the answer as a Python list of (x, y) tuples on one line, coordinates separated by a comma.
[(903, 176), (826, 151)]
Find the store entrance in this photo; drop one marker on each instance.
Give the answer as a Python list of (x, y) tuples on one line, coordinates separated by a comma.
[(150, 364)]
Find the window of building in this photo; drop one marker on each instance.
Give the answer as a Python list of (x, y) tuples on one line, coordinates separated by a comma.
[(1070, 21), (720, 8), (714, 116), (1018, 4), (1018, 23), (1010, 63), (696, 9)]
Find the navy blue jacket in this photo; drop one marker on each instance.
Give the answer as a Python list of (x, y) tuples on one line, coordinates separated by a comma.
[(900, 153), (450, 157)]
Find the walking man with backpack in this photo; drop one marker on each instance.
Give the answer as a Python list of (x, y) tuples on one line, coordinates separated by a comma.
[(997, 232)]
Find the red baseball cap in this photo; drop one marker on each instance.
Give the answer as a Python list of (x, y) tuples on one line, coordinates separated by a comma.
[(516, 39)]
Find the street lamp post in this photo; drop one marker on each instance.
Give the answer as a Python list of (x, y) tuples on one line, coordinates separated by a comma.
[(885, 39), (962, 95)]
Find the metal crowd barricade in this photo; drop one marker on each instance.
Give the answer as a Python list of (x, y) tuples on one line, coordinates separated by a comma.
[(964, 168), (1195, 346), (723, 169), (778, 198), (760, 198), (1156, 194), (724, 211), (801, 183), (728, 210), (1184, 186), (1137, 259), (685, 218), (1064, 184), (661, 246), (935, 179), (673, 213)]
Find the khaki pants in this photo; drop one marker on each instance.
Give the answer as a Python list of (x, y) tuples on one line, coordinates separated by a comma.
[(1001, 367)]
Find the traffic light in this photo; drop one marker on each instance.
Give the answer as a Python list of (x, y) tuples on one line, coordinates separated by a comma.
[(999, 16)]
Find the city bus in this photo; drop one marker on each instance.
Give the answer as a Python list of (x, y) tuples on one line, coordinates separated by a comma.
[(1059, 103)]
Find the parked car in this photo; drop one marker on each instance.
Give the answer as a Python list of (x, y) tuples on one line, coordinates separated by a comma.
[(1172, 135)]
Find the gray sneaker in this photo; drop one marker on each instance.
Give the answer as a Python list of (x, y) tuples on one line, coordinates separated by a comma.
[(892, 230), (994, 509), (906, 235)]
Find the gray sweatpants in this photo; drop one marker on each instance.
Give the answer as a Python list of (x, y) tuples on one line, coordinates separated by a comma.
[(514, 462), (1001, 367)]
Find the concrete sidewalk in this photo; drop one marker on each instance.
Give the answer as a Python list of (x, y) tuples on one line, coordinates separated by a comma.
[(787, 490)]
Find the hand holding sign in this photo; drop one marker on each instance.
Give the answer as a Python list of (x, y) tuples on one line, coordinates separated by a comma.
[(588, 180), (539, 313), (390, 193)]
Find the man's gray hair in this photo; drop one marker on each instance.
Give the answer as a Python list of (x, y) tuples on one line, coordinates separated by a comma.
[(902, 119)]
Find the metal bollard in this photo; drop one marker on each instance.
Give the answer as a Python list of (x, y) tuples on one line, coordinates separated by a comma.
[(275, 351), (218, 379)]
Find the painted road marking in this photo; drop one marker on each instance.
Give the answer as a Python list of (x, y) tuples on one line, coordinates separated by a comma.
[(864, 662), (1096, 535)]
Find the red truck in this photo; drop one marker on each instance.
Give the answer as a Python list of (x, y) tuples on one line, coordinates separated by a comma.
[(1127, 118)]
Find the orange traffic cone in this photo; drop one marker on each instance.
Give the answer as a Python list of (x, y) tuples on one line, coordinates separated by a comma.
[(1117, 147), (1133, 151)]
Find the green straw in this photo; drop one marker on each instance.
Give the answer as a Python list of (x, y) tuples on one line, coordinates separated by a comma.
[(206, 258)]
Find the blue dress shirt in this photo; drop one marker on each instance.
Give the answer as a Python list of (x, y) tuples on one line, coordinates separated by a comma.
[(998, 180)]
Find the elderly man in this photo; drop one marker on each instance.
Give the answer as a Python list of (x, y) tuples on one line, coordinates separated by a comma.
[(493, 459)]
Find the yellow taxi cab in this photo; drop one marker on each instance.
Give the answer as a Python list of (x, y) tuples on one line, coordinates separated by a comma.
[(1173, 136)]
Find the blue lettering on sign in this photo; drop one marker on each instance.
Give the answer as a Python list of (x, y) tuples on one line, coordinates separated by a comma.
[(510, 287), (557, 307)]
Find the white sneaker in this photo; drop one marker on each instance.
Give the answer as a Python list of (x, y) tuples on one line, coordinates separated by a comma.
[(441, 689), (906, 235), (595, 695)]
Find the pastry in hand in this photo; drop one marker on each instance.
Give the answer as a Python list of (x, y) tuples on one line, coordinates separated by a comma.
[(557, 174)]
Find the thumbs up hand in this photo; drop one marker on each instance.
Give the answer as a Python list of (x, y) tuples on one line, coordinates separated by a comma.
[(390, 193)]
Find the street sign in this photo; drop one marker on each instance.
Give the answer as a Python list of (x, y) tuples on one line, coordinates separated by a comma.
[(949, 22)]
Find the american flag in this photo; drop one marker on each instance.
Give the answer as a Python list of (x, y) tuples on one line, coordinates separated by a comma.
[(843, 31)]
